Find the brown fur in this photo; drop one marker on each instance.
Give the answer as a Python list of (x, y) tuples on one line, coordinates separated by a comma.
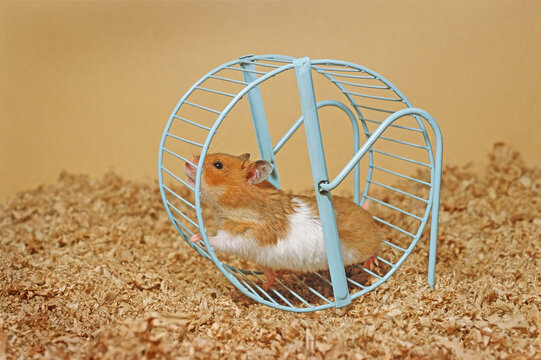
[(261, 211)]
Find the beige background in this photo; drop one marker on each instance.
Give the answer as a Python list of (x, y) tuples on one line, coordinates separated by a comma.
[(89, 86)]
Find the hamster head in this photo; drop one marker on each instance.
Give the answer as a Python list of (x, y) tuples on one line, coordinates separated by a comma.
[(227, 177)]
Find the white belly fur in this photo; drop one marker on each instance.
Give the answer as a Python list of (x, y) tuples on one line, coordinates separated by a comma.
[(302, 249)]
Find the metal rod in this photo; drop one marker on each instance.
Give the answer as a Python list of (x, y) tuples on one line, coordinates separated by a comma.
[(386, 262), (185, 140), (305, 84), (356, 283), (393, 125), (373, 96), (276, 292), (402, 142), (347, 75), (261, 127), (177, 178), (182, 214), (400, 175), (267, 65), (179, 157), (260, 288), (249, 272), (234, 271), (375, 109), (215, 91), (361, 85), (394, 208), (393, 226), (288, 134), (342, 69), (201, 248), (401, 158), (372, 273), (245, 70), (436, 183), (191, 122), (311, 289), (180, 198), (295, 294), (228, 79), (183, 226), (282, 60), (393, 245), (398, 191), (322, 278), (203, 107), (284, 299), (242, 281)]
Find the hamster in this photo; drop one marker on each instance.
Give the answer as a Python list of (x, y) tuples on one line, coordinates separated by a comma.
[(276, 230)]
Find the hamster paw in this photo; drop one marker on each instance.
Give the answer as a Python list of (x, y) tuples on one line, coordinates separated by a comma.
[(371, 262), (196, 238), (271, 276)]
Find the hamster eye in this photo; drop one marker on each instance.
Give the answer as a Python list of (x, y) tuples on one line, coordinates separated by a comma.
[(218, 165)]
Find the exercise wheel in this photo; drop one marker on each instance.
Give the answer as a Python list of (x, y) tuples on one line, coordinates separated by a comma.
[(402, 146)]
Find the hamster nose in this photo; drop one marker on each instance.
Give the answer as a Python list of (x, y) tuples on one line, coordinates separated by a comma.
[(193, 160)]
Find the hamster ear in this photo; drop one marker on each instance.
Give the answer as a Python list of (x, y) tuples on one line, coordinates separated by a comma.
[(259, 171), (245, 157)]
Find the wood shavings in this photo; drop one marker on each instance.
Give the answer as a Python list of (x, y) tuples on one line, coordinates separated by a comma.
[(93, 268)]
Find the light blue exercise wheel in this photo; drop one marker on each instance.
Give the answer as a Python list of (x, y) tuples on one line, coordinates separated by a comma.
[(401, 150)]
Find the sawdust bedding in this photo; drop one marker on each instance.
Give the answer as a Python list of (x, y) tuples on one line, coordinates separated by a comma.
[(92, 268)]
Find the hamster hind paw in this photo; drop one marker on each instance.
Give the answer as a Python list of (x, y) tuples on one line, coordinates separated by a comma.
[(371, 262), (271, 276)]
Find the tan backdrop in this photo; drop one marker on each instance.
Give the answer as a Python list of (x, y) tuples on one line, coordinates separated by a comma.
[(88, 87)]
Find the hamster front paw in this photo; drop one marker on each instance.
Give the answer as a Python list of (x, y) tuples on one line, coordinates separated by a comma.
[(196, 238)]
